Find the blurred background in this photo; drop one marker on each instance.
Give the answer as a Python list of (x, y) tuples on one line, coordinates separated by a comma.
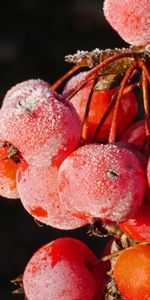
[(35, 35)]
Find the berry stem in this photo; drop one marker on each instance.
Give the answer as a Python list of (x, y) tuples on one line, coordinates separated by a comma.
[(105, 115), (143, 65), (99, 67), (110, 106), (146, 109), (131, 87), (85, 122), (135, 72), (126, 78), (64, 77)]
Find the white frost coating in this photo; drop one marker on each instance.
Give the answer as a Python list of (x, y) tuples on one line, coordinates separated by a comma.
[(38, 189), (130, 18), (25, 89), (39, 125), (51, 274), (85, 187)]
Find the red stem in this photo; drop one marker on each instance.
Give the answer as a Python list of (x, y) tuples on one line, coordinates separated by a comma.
[(64, 77), (126, 78), (146, 109), (110, 106), (142, 64), (85, 122), (105, 115)]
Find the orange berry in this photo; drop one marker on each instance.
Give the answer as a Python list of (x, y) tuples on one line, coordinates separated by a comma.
[(132, 273)]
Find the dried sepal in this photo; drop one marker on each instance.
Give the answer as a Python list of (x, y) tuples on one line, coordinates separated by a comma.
[(107, 82), (18, 282), (102, 229), (97, 56), (112, 292)]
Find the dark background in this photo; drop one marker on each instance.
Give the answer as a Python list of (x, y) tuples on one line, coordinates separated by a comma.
[(35, 35)]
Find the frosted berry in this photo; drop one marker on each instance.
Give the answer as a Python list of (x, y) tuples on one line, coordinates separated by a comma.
[(130, 18), (38, 190), (61, 270), (43, 127), (101, 181)]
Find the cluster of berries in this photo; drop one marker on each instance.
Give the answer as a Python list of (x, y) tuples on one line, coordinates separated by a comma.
[(76, 162)]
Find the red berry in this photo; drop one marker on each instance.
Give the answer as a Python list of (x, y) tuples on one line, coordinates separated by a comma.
[(135, 135), (38, 190), (73, 81), (101, 181), (130, 18), (140, 155), (132, 273), (148, 172), (99, 103), (44, 128), (138, 227), (61, 270)]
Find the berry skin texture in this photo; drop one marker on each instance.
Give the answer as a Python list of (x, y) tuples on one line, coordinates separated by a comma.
[(8, 170), (61, 270), (43, 127), (38, 190), (132, 273), (23, 90), (135, 135), (130, 18), (101, 181), (148, 172), (138, 227), (99, 102)]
